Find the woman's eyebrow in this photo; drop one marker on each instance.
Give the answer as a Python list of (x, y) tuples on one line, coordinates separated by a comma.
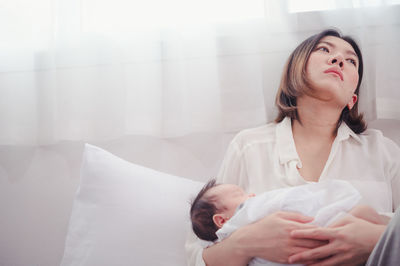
[(333, 46)]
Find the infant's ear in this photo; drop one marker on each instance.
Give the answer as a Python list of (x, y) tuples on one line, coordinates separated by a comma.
[(219, 219)]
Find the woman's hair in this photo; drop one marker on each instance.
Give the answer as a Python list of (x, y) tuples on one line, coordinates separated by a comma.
[(294, 82), (201, 214)]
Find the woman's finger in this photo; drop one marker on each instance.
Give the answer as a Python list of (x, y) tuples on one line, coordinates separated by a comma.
[(341, 222), (312, 254), (294, 216), (295, 250), (300, 226), (309, 243), (314, 233), (310, 262), (334, 260)]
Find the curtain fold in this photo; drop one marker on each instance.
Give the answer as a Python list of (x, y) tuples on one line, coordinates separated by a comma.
[(71, 70)]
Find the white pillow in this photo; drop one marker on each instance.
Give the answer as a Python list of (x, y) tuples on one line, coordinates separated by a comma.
[(126, 214)]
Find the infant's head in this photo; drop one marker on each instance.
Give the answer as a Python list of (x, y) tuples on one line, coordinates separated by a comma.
[(213, 206)]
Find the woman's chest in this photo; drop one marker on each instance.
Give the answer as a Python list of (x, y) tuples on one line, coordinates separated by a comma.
[(366, 173)]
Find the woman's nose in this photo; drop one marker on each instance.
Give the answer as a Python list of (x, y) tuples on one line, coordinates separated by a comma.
[(337, 59)]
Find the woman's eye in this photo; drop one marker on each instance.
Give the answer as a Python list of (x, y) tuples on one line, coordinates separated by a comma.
[(352, 61), (324, 49)]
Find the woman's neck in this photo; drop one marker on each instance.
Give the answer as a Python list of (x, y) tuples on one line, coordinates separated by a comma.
[(318, 119)]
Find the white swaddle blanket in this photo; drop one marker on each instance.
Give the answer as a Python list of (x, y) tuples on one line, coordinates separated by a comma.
[(326, 201)]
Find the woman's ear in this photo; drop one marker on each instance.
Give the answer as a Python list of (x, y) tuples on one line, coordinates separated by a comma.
[(219, 219), (352, 101)]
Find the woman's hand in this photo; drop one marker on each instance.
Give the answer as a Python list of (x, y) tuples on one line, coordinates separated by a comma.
[(269, 238), (351, 240)]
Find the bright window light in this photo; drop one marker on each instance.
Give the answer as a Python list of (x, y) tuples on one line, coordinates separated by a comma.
[(310, 5), (295, 6), (128, 15)]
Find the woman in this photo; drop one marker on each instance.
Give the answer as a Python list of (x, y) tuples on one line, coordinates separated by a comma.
[(318, 135)]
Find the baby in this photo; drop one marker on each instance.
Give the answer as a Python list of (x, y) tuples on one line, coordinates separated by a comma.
[(220, 209)]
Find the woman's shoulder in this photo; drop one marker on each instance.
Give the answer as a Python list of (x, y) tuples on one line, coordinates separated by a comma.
[(373, 134), (386, 129), (260, 134), (375, 137)]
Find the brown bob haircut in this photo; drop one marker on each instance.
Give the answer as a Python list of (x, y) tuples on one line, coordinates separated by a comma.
[(294, 82)]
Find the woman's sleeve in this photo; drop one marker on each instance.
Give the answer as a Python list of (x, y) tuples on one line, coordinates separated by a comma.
[(391, 162), (394, 173), (233, 169), (194, 250)]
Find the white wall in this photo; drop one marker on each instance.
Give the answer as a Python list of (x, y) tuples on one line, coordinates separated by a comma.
[(38, 184)]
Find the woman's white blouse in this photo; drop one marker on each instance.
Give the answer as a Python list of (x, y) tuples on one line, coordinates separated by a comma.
[(265, 158)]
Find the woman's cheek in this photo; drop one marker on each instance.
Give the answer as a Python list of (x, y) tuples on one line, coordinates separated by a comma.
[(354, 80)]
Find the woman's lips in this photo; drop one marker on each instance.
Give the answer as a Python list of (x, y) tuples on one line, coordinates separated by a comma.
[(336, 71)]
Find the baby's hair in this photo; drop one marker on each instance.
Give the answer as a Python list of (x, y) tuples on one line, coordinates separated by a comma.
[(202, 212)]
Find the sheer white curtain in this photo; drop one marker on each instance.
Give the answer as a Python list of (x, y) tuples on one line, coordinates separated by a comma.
[(94, 70)]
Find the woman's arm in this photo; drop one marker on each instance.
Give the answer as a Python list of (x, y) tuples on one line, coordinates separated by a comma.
[(225, 253), (351, 240), (268, 238), (391, 159)]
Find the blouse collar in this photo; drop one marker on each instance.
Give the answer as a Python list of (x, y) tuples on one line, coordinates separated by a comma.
[(286, 147)]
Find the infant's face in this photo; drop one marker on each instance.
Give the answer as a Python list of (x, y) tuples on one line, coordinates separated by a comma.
[(229, 197)]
